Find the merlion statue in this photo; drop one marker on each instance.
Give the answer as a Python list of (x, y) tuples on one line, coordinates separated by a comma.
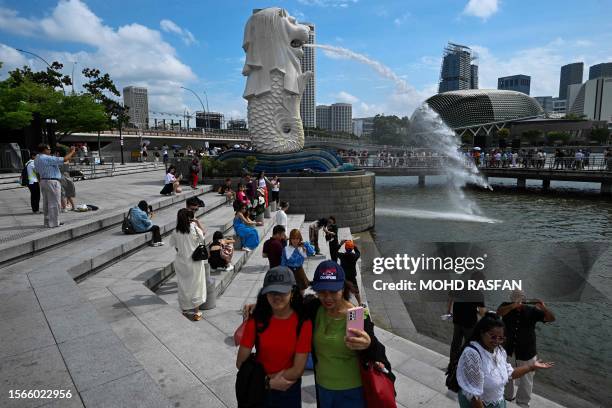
[(273, 45)]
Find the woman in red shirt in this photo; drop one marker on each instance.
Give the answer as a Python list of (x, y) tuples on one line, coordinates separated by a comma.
[(283, 338)]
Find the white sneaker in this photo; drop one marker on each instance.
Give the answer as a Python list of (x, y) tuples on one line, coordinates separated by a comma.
[(229, 268), (157, 244)]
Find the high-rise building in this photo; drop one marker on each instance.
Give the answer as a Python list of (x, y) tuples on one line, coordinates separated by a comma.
[(137, 100), (519, 83), (570, 74), (457, 70), (474, 76), (237, 124), (594, 100), (546, 102), (209, 120), (342, 117), (363, 126), (603, 70), (559, 105), (324, 117), (307, 106)]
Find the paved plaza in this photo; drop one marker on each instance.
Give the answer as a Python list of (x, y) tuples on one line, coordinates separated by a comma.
[(117, 337)]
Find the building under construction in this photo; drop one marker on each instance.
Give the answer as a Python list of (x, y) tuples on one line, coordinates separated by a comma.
[(459, 69)]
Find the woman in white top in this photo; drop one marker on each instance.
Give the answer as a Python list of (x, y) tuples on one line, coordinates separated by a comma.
[(190, 274), (483, 370), (275, 184), (281, 214), (262, 182), (171, 182)]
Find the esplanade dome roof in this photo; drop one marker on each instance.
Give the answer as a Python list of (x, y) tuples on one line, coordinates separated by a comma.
[(473, 107)]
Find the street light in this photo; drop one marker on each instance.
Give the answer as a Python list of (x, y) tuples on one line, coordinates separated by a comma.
[(72, 77), (51, 131), (45, 61), (196, 95), (207, 111)]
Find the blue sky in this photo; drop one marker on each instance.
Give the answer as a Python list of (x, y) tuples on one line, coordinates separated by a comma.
[(168, 44)]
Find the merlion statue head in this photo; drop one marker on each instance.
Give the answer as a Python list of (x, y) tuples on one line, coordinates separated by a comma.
[(273, 41)]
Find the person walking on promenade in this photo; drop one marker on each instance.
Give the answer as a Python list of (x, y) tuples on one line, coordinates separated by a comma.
[(48, 169), (171, 182), (465, 307), (245, 228), (33, 184), (281, 214), (332, 238), (294, 255), (520, 320), (140, 218), (313, 232), (275, 186), (165, 153), (273, 247), (282, 337), (348, 261), (195, 172), (143, 152), (190, 274), (482, 371)]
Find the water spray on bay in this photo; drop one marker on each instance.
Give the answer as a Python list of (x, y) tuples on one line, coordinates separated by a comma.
[(428, 129)]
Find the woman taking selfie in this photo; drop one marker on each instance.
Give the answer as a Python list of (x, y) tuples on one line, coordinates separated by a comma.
[(282, 338), (190, 274), (483, 371)]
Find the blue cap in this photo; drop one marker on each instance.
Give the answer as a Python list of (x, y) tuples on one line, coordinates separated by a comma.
[(328, 276)]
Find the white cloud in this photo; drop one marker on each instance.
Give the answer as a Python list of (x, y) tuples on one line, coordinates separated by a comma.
[(398, 21), (543, 63), (328, 3), (346, 97), (481, 8), (170, 26), (132, 54)]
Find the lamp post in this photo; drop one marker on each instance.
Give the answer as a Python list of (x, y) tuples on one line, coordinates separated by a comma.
[(72, 77), (45, 61), (51, 131), (207, 111), (196, 95)]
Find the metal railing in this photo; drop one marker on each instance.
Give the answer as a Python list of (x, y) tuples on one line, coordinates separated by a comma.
[(216, 134), (91, 167)]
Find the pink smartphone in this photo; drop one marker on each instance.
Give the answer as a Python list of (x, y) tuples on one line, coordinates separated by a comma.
[(354, 320)]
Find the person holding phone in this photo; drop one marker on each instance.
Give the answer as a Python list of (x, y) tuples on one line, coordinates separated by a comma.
[(171, 182), (282, 336), (294, 255), (340, 344)]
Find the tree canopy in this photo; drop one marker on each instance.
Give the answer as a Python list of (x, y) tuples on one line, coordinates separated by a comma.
[(390, 130)]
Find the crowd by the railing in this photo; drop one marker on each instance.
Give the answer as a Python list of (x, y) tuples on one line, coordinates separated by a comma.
[(225, 134), (577, 160)]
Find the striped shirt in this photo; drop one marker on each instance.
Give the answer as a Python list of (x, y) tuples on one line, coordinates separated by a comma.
[(48, 167)]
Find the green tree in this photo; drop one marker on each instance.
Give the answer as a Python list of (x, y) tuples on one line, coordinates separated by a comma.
[(390, 130), (532, 136), (503, 133), (52, 77), (600, 135), (573, 116), (98, 85), (552, 137)]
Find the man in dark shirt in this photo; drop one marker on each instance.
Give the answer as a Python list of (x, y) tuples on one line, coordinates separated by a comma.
[(348, 261), (273, 247), (465, 307), (332, 238), (520, 319)]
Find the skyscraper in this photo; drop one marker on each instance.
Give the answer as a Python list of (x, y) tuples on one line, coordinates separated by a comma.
[(519, 83), (603, 70), (307, 106), (570, 74), (342, 117), (137, 100), (457, 71), (324, 117)]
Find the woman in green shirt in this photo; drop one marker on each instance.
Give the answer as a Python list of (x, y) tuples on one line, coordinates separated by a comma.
[(337, 357)]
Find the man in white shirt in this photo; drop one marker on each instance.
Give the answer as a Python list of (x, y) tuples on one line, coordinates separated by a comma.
[(281, 214)]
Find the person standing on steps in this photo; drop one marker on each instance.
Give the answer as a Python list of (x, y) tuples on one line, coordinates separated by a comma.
[(33, 184), (281, 214), (520, 319), (190, 274), (48, 169), (313, 233)]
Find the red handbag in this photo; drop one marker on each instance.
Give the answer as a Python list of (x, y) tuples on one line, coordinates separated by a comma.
[(239, 332), (378, 389)]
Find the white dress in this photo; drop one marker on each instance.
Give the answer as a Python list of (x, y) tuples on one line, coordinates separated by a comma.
[(190, 274), (483, 374)]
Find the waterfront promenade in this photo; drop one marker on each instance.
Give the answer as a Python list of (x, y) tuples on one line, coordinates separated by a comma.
[(117, 338)]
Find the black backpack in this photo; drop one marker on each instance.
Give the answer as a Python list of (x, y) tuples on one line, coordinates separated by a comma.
[(127, 226), (451, 374), (251, 379), (25, 180)]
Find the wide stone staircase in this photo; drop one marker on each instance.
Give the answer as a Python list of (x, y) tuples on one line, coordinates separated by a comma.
[(95, 311)]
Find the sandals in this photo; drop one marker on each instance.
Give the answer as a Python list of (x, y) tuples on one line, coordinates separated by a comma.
[(196, 317)]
